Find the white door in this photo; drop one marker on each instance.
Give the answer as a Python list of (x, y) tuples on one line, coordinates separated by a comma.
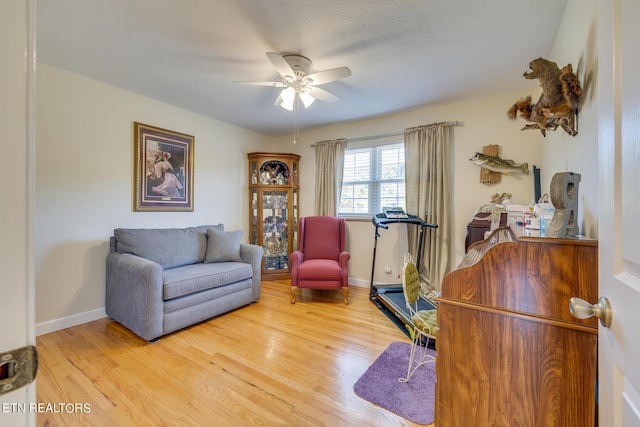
[(619, 217), (17, 304)]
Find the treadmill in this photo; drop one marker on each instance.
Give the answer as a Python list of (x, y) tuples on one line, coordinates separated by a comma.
[(389, 298)]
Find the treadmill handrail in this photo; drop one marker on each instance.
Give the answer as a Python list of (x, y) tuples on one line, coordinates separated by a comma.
[(381, 221)]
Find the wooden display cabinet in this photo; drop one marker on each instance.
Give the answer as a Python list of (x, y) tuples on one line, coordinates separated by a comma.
[(274, 200)]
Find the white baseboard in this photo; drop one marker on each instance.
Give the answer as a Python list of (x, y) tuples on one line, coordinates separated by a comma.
[(99, 313), (364, 283), (69, 321), (360, 283)]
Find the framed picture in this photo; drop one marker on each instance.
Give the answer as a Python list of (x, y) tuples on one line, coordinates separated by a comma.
[(163, 176)]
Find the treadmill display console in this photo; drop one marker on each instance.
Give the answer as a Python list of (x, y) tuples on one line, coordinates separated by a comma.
[(394, 212)]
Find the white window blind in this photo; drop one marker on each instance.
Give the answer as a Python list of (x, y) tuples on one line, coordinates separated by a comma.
[(373, 178)]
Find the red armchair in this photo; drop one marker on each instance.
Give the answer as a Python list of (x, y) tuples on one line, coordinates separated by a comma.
[(320, 261)]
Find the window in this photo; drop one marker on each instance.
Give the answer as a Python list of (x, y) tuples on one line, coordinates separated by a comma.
[(373, 178)]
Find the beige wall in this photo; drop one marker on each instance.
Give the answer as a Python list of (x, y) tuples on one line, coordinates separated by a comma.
[(483, 122), (576, 43), (84, 186), (85, 167)]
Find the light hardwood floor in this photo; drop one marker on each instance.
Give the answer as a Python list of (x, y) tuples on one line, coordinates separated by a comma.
[(269, 364)]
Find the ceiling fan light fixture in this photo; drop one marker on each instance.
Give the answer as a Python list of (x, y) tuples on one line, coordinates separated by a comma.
[(288, 97), (306, 99), (299, 83)]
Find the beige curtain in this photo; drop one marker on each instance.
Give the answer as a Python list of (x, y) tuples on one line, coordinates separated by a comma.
[(427, 179), (329, 167)]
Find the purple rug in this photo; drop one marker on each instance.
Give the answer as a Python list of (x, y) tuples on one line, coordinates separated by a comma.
[(413, 400)]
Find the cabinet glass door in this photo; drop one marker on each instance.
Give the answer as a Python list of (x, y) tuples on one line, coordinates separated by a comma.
[(254, 217), (295, 220), (275, 219)]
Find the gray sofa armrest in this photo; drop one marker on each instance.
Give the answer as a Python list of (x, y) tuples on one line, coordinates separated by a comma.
[(134, 294), (252, 254)]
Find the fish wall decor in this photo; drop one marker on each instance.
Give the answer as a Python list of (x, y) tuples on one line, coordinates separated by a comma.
[(496, 164)]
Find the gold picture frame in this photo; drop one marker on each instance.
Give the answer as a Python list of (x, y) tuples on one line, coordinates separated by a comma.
[(163, 175)]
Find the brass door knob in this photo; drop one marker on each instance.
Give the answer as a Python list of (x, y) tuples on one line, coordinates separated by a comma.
[(581, 309)]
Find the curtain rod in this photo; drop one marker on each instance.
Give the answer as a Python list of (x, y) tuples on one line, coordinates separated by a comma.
[(385, 135)]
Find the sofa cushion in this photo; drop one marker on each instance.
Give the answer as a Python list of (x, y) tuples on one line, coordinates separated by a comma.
[(169, 247), (188, 279), (223, 246)]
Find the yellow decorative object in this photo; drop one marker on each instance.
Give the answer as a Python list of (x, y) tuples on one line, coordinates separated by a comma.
[(423, 321)]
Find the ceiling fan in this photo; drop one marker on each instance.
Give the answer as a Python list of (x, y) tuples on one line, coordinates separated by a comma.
[(298, 81)]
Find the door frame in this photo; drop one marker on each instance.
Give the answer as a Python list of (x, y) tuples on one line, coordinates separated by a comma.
[(17, 131)]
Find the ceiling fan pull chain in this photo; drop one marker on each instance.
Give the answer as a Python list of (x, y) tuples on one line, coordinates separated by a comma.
[(295, 119)]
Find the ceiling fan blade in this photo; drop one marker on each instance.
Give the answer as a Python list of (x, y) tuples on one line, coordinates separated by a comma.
[(281, 66), (326, 76), (322, 94), (272, 84)]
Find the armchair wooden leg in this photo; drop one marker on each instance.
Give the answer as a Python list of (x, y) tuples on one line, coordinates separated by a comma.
[(346, 294), (293, 294)]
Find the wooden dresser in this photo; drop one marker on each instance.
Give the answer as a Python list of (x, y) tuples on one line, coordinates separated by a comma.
[(509, 351), (478, 226)]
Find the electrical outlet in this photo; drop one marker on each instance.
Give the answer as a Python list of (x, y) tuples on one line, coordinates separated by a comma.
[(387, 268)]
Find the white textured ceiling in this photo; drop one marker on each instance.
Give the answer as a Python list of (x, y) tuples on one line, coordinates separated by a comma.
[(402, 54)]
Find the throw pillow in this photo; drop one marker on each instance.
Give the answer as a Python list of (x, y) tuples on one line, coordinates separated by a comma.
[(223, 246), (169, 247)]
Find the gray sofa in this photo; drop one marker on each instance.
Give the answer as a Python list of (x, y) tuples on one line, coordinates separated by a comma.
[(162, 280)]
